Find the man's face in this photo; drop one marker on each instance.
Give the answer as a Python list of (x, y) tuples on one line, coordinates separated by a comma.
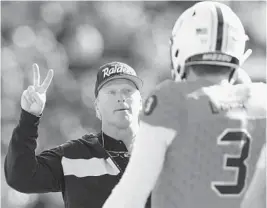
[(119, 102)]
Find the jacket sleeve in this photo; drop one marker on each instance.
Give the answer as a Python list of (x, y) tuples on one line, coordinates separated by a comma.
[(27, 172)]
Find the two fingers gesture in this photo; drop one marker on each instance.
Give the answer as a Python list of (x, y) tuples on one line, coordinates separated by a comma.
[(34, 97)]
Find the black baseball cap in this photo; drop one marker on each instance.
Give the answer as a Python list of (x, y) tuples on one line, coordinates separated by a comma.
[(116, 70)]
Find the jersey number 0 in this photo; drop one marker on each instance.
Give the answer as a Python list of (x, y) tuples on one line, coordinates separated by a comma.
[(237, 162)]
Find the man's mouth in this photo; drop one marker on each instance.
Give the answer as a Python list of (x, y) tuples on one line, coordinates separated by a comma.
[(123, 109)]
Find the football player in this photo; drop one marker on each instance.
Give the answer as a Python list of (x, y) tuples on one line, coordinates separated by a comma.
[(200, 139)]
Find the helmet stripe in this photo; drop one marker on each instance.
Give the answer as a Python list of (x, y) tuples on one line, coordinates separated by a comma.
[(219, 29)]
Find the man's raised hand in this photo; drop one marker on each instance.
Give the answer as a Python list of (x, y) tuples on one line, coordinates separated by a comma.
[(34, 97)]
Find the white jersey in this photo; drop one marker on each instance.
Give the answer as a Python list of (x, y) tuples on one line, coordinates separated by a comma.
[(220, 131)]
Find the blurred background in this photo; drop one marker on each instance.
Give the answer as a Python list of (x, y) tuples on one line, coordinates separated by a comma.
[(75, 39)]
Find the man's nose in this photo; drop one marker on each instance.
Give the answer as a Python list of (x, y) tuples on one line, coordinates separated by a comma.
[(121, 97)]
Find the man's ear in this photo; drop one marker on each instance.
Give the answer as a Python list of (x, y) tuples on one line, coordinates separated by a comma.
[(98, 114)]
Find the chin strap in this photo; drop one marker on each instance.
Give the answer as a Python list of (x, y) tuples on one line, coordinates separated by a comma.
[(245, 56)]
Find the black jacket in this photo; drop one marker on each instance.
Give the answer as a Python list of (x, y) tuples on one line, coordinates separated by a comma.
[(83, 170)]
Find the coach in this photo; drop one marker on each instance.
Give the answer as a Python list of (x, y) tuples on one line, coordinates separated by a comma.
[(85, 170)]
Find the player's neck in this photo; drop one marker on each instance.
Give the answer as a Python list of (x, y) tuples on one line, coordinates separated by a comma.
[(126, 135), (213, 79)]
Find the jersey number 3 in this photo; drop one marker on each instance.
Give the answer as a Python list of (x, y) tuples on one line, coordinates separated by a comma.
[(234, 162)]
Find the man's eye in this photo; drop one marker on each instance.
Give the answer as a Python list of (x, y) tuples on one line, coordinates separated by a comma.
[(128, 91), (112, 92)]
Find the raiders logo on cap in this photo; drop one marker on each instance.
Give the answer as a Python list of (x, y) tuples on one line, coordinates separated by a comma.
[(116, 70)]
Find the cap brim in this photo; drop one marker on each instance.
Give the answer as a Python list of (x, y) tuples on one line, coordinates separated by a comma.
[(136, 80)]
